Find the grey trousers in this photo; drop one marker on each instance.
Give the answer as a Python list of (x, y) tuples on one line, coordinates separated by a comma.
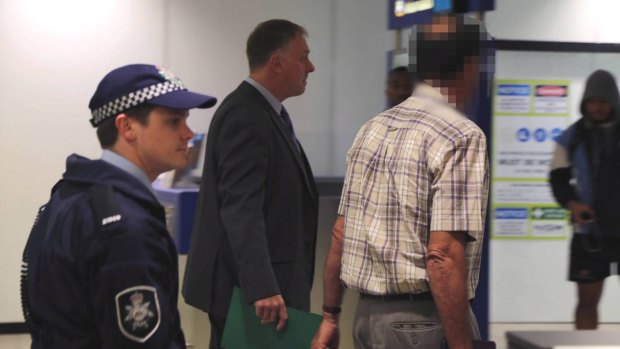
[(397, 324)]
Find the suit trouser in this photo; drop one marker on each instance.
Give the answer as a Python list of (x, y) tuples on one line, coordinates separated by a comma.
[(410, 323)]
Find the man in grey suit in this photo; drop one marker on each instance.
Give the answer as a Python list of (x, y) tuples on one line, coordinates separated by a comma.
[(257, 212)]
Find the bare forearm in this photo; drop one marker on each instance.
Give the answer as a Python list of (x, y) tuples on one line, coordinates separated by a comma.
[(328, 333), (332, 287), (448, 279)]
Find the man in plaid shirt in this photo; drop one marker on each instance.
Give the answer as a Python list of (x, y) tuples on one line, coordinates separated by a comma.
[(409, 233)]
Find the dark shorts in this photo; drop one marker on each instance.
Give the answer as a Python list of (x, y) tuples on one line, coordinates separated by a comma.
[(586, 266)]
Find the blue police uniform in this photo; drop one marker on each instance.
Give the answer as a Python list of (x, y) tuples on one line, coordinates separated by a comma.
[(100, 268)]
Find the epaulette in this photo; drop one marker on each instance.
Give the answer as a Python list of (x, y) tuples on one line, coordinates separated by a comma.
[(106, 208)]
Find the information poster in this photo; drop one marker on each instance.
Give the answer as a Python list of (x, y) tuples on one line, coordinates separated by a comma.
[(528, 116)]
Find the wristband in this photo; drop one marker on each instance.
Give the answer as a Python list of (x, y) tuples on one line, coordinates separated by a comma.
[(334, 310)]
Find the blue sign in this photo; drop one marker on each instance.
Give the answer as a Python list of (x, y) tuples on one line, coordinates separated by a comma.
[(513, 90), (523, 134), (555, 133), (540, 135), (510, 213), (442, 5), (406, 13)]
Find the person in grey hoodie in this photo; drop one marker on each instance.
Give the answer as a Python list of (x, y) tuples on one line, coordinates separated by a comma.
[(584, 179)]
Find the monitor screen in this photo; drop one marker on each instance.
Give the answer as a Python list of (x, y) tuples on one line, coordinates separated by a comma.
[(406, 13)]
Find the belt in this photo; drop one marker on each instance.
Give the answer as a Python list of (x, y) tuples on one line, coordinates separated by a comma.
[(397, 297)]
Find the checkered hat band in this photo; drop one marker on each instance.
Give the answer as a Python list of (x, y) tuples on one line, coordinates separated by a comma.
[(133, 99)]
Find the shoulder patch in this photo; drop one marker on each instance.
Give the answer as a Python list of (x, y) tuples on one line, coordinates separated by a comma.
[(138, 313)]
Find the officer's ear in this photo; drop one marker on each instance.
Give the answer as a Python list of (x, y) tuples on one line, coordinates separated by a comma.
[(126, 127)]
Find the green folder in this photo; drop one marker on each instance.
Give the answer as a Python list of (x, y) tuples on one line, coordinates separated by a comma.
[(243, 329)]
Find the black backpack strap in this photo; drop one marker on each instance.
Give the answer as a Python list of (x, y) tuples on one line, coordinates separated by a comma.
[(106, 208)]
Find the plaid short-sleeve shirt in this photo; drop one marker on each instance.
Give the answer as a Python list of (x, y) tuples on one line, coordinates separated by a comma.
[(413, 169)]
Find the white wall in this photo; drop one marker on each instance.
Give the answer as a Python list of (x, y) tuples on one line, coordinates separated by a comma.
[(555, 20), (54, 54)]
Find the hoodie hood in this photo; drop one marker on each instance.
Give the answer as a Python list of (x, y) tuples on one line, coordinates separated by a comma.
[(602, 84)]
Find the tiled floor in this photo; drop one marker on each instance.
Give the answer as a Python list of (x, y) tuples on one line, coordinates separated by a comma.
[(498, 332)]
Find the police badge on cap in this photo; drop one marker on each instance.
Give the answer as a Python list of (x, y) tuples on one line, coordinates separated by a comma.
[(137, 311)]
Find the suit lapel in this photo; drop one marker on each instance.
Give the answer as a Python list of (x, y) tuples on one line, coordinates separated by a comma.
[(297, 152)]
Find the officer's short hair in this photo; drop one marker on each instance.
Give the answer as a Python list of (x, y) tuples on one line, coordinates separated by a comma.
[(107, 132)]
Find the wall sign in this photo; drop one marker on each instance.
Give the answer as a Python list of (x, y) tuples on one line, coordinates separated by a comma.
[(528, 116)]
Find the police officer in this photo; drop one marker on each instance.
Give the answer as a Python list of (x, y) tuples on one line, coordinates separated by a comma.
[(100, 268)]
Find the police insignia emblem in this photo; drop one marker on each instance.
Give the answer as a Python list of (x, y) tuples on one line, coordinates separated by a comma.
[(137, 312), (168, 75)]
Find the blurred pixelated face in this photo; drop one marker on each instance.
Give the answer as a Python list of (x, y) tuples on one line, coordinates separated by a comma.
[(598, 109), (440, 61), (162, 144), (296, 65), (439, 27), (399, 88), (447, 53)]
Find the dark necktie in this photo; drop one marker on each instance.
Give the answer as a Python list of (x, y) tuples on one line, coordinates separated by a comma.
[(289, 126)]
